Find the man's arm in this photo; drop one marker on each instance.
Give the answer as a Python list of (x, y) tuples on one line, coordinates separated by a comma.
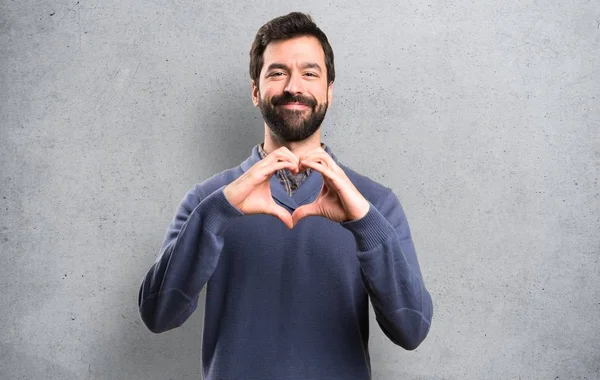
[(190, 253), (391, 273), (389, 266), (169, 291)]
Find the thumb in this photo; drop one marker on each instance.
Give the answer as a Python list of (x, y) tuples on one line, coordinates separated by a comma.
[(283, 214), (304, 211)]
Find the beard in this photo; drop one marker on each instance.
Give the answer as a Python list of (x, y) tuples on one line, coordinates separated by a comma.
[(292, 125)]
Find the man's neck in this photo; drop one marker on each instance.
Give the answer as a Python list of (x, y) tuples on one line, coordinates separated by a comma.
[(299, 148)]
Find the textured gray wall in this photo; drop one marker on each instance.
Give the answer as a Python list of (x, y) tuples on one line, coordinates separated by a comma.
[(483, 116)]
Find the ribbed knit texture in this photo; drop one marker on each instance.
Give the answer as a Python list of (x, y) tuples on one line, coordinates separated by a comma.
[(219, 212), (370, 230)]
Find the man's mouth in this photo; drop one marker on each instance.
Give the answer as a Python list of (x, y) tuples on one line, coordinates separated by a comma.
[(294, 106)]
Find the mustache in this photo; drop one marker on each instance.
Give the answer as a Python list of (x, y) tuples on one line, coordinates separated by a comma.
[(287, 98)]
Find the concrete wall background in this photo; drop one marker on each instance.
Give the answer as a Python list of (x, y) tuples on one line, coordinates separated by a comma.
[(484, 117)]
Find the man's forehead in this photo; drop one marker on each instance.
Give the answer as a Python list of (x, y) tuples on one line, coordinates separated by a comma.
[(305, 48)]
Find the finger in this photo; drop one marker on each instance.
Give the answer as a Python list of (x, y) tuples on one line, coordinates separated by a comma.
[(284, 154), (277, 156), (304, 211), (282, 214), (320, 167), (336, 181), (293, 167), (284, 150), (321, 157), (279, 165), (267, 169)]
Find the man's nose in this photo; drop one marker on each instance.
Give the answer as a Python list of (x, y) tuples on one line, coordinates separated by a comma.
[(294, 85)]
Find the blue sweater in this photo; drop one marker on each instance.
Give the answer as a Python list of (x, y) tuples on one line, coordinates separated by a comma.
[(287, 304)]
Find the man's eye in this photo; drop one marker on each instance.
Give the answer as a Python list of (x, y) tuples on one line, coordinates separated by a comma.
[(276, 74), (311, 74)]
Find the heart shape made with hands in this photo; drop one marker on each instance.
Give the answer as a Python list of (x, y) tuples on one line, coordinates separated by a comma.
[(339, 200)]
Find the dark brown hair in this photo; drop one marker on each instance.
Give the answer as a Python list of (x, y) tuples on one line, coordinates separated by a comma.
[(292, 25)]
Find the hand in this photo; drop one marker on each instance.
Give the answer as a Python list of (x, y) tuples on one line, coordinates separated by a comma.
[(251, 192), (339, 199)]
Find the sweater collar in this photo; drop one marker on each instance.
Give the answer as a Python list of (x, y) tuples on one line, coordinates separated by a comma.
[(255, 157)]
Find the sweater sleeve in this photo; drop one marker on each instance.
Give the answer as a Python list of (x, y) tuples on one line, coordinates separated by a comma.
[(391, 273), (170, 289)]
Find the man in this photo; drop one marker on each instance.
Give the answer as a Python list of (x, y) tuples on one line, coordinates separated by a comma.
[(291, 244)]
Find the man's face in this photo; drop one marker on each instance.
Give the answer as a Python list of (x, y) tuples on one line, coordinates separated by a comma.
[(293, 93)]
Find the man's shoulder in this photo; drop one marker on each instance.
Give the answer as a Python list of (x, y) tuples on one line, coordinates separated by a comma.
[(369, 188), (217, 180)]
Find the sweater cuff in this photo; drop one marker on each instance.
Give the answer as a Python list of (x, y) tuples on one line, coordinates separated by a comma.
[(217, 211), (371, 230)]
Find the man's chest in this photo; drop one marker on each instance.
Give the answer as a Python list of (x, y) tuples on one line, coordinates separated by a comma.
[(260, 247)]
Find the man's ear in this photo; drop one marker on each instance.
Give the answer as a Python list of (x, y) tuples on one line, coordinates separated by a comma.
[(255, 94), (330, 94)]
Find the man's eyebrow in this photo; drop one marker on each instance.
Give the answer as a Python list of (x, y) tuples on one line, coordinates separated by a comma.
[(274, 66), (311, 65), (307, 65)]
